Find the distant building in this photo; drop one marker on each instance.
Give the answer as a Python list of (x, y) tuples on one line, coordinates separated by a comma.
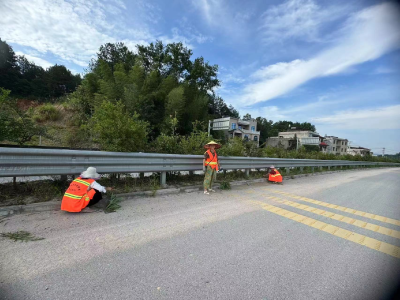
[(336, 145), (359, 151), (280, 142), (234, 127), (294, 139)]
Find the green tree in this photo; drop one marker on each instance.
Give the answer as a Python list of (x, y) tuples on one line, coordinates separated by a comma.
[(265, 127), (115, 130), (219, 109), (60, 80), (175, 102), (9, 70), (247, 117), (113, 54)]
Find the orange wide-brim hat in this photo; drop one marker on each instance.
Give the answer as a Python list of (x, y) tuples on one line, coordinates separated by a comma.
[(217, 146)]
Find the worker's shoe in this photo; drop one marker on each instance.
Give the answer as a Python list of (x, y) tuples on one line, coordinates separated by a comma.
[(211, 190), (206, 193)]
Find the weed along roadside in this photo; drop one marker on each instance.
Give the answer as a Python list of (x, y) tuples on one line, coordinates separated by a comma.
[(178, 184), (20, 236)]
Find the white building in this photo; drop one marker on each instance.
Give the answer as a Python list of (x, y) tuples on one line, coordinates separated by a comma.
[(336, 145), (234, 127), (294, 139), (359, 151)]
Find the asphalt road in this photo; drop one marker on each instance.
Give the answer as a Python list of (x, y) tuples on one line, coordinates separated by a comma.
[(235, 244)]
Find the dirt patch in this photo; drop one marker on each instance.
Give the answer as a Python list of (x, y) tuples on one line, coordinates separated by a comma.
[(25, 104)]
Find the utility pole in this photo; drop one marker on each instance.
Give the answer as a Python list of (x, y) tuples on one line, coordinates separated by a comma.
[(209, 127), (383, 152)]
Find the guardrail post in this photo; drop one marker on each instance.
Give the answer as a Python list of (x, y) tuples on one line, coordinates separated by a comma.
[(247, 172), (163, 179), (63, 177), (14, 182), (287, 170), (301, 169), (320, 168), (191, 173), (329, 168), (141, 175), (312, 169)]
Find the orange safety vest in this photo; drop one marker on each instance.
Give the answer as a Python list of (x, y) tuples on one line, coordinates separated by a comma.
[(212, 160), (277, 177), (77, 196)]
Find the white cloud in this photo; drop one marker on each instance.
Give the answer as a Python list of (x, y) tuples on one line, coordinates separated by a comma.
[(298, 19), (370, 34), (373, 118), (384, 70), (74, 30), (276, 70), (222, 15), (37, 60)]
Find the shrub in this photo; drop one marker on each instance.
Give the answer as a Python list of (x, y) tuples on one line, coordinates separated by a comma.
[(234, 147), (46, 112), (166, 144), (194, 143)]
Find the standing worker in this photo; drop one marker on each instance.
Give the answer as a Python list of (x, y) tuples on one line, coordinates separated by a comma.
[(83, 191), (210, 166), (274, 176)]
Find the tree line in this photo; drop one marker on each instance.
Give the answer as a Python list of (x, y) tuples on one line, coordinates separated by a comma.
[(25, 79), (158, 98)]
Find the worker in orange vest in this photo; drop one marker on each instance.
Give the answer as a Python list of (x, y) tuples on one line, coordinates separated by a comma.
[(210, 166), (83, 191), (274, 176)]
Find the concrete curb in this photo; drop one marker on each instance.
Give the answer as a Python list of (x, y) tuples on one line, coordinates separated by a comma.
[(8, 211)]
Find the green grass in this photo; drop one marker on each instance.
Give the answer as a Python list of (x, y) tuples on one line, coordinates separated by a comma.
[(22, 236), (113, 206), (225, 185)]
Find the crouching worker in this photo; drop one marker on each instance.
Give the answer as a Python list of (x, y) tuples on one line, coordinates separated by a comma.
[(274, 176), (83, 191)]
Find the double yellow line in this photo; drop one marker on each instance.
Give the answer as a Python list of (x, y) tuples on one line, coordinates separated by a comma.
[(335, 230)]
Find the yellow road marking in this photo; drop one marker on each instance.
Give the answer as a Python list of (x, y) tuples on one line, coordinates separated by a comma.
[(337, 217), (334, 230), (341, 208)]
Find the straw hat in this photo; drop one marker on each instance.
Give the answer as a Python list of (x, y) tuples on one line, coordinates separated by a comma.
[(217, 146), (90, 173)]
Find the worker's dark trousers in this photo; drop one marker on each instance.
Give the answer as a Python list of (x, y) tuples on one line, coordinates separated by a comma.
[(96, 198)]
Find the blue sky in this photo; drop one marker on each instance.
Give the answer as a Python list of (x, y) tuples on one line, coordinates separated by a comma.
[(333, 63)]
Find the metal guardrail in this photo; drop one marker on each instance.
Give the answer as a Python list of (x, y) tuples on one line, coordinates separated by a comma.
[(15, 162)]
